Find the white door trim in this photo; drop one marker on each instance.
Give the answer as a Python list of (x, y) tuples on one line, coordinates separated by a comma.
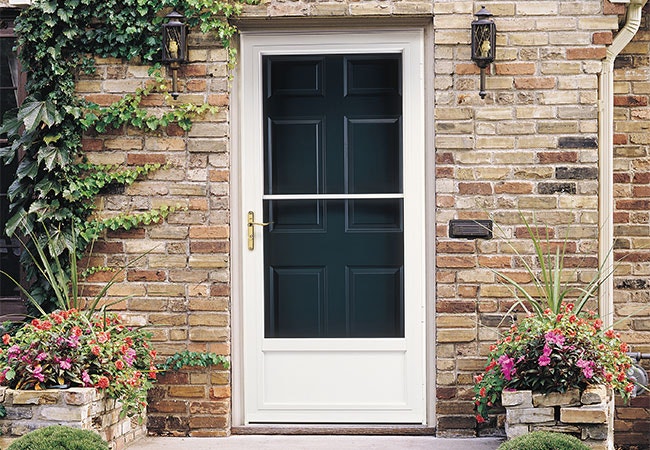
[(254, 44)]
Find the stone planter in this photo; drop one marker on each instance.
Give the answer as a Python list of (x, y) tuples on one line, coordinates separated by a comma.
[(587, 415), (84, 408)]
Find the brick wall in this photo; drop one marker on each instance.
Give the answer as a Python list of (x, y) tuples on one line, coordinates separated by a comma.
[(529, 148), (632, 218), (181, 288)]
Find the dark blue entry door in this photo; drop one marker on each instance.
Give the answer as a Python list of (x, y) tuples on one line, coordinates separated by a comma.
[(334, 251)]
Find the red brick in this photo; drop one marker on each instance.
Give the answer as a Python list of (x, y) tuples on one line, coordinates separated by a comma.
[(455, 261), (146, 275), (475, 188), (455, 306), (630, 100), (444, 158), (494, 262), (193, 70), (641, 178), (218, 99), (103, 99), (172, 377), (196, 85), (219, 175), (602, 38), (220, 290), (456, 247), (467, 69), (620, 139), (92, 145), (515, 68), (209, 247), (168, 407), (211, 422), (468, 291), (542, 232), (153, 100), (513, 187), (622, 177), (641, 191), (640, 205), (445, 172), (586, 53), (446, 393), (555, 157)]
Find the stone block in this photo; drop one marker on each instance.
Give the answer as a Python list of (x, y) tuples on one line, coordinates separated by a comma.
[(568, 398), (516, 430), (595, 432), (35, 397), (530, 415), (595, 394), (584, 414), (522, 399)]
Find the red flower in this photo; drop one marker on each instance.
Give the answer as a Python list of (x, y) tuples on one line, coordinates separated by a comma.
[(76, 331), (569, 307), (36, 323), (621, 376), (478, 378), (95, 350), (624, 347), (479, 418), (559, 317), (629, 387), (152, 375), (119, 364), (598, 324), (609, 333), (102, 383), (482, 392), (608, 377), (573, 318), (6, 339)]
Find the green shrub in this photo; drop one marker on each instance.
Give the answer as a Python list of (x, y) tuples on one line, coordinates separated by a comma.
[(544, 440), (57, 437)]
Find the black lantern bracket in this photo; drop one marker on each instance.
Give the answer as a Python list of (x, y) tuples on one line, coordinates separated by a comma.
[(174, 46), (484, 32)]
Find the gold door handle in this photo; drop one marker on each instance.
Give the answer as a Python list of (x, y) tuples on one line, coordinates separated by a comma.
[(250, 224)]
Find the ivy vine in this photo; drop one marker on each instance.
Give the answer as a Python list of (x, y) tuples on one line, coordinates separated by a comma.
[(54, 185)]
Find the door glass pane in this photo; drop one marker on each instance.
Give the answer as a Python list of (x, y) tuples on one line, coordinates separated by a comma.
[(333, 268), (326, 278)]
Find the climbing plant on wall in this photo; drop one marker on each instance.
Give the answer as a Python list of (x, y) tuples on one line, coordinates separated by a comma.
[(54, 186)]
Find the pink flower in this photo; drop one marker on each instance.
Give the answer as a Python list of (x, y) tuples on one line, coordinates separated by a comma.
[(543, 360), (5, 339), (41, 356), (555, 337), (587, 368), (86, 379), (65, 364), (507, 366), (37, 373)]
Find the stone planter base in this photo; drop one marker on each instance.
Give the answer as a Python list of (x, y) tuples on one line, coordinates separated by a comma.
[(587, 415), (84, 408)]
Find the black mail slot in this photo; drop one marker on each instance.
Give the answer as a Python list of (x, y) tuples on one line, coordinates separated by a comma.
[(470, 229)]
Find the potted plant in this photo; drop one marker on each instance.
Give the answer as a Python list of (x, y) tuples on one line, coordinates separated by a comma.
[(79, 365), (557, 347)]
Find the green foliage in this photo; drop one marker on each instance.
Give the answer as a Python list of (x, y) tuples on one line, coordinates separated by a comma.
[(57, 437), (59, 39), (544, 440), (187, 358)]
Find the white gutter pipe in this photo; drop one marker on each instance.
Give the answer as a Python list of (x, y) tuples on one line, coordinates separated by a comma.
[(606, 159)]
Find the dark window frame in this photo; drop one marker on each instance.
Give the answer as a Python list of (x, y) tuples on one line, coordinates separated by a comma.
[(12, 307)]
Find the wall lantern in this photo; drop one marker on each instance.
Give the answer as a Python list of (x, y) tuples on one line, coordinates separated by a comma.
[(484, 33), (174, 45)]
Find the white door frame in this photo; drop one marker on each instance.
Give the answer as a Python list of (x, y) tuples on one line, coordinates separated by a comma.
[(410, 43)]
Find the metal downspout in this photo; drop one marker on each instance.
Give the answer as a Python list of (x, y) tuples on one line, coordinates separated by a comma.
[(606, 159)]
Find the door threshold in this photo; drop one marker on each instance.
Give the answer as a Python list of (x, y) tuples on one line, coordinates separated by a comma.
[(335, 429)]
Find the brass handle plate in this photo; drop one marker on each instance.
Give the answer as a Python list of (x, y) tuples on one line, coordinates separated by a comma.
[(250, 224)]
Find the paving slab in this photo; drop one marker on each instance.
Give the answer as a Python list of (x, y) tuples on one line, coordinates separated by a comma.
[(320, 442)]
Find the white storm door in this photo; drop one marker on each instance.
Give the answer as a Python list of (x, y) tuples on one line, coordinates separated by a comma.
[(332, 145)]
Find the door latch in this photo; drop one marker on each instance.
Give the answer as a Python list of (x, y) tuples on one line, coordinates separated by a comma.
[(251, 229)]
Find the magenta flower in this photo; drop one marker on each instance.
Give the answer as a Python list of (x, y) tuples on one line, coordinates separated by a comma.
[(41, 356), (553, 337), (65, 364), (37, 372), (545, 359), (507, 366), (129, 357), (86, 379), (587, 367)]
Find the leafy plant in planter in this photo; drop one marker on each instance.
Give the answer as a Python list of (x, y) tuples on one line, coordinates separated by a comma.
[(557, 346), (80, 344)]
